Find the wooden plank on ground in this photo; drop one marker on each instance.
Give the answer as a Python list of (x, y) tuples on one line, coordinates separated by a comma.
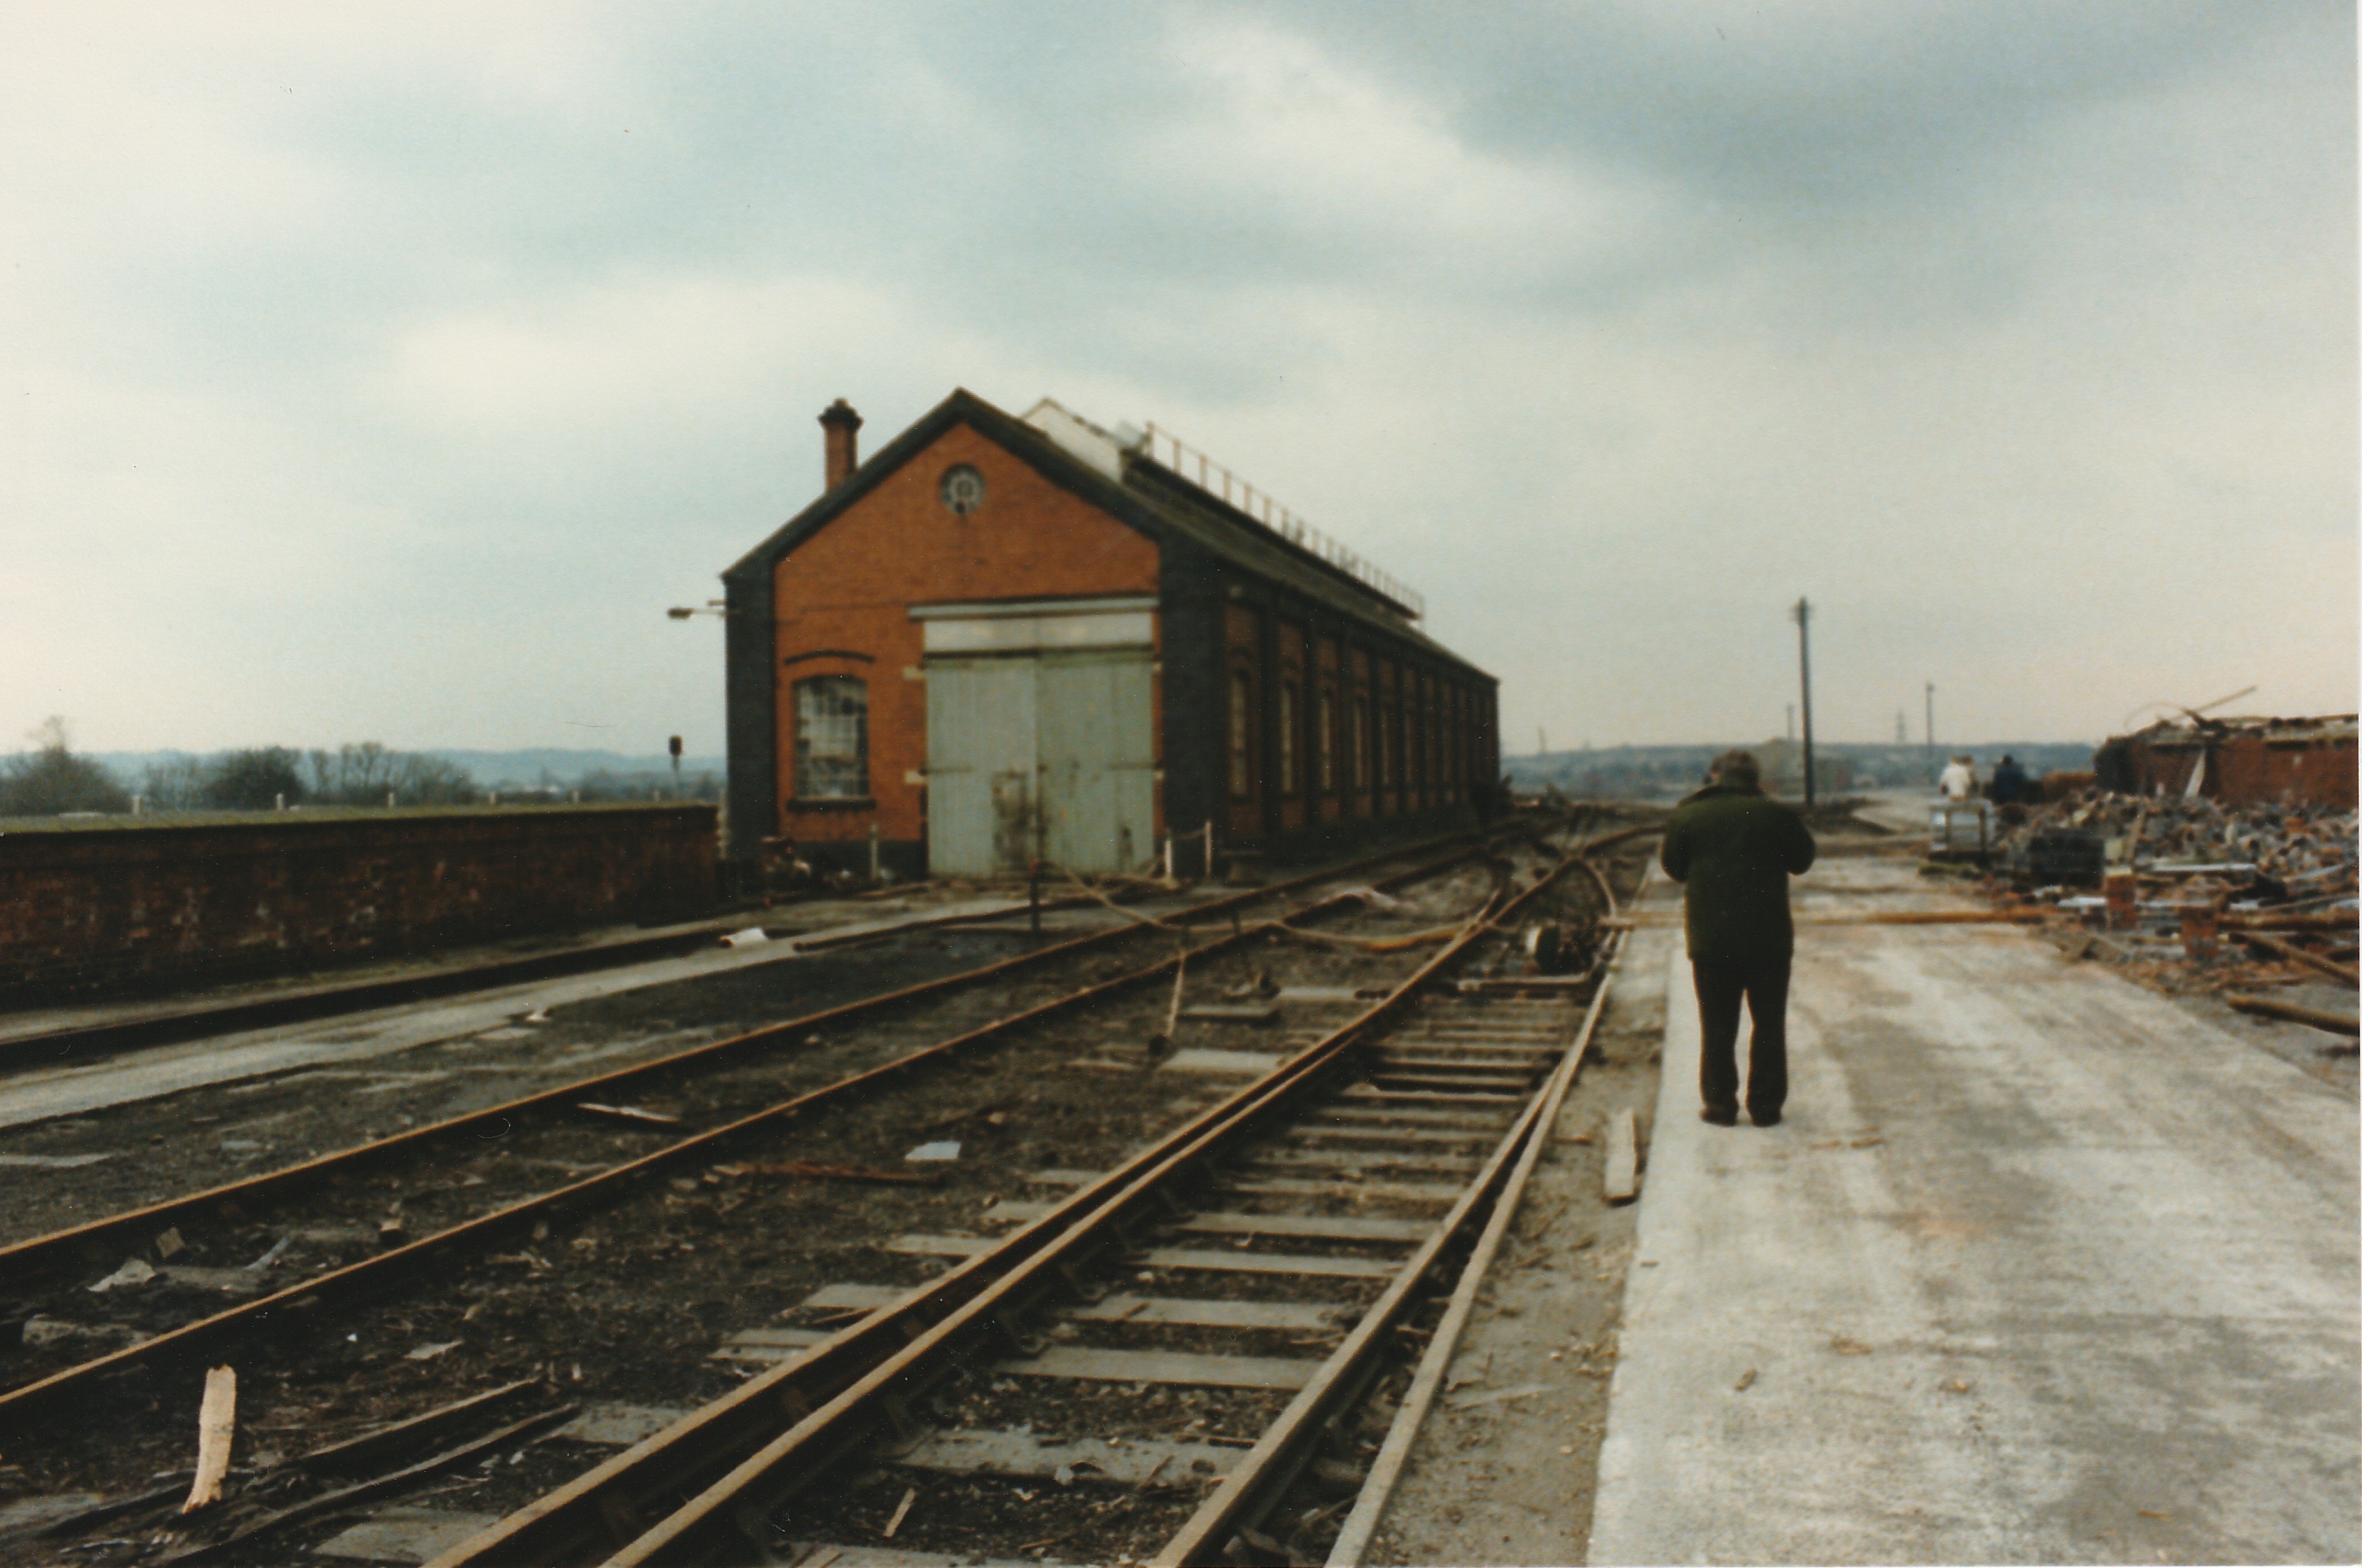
[(1164, 1366), (943, 1246), (618, 1426), (1387, 1135), (1483, 1113), (1374, 1191), (1325, 1227), (406, 1535), (1231, 1261), (1308, 1317), (1354, 1164), (839, 1298), (1129, 1461), (1621, 1183)]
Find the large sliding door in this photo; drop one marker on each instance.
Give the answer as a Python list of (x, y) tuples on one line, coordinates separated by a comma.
[(1040, 736), (1098, 761), (981, 763)]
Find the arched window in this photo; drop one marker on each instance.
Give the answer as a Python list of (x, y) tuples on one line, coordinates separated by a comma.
[(832, 738)]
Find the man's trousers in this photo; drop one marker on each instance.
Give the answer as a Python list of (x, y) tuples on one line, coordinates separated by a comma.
[(1721, 983)]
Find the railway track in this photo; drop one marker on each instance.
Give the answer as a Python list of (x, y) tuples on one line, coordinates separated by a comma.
[(1251, 1230), (159, 1365)]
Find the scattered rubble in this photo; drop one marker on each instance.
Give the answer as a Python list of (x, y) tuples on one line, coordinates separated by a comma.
[(2191, 894)]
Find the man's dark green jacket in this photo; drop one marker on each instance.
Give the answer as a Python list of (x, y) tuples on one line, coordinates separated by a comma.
[(1735, 850)]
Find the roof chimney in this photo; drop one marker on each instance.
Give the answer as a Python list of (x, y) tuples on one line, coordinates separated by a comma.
[(844, 451)]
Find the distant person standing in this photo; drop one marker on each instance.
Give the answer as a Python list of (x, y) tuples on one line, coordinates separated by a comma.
[(1733, 848), (1958, 781), (2010, 783)]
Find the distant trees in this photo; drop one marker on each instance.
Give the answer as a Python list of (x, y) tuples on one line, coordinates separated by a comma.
[(252, 780), (365, 775), (260, 777), (175, 784), (603, 785), (51, 780)]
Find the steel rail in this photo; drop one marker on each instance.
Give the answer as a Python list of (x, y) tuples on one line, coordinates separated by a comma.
[(867, 1378), (29, 1401), (1477, 1222), (82, 1246)]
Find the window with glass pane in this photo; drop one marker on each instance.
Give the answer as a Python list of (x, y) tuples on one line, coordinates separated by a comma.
[(832, 738)]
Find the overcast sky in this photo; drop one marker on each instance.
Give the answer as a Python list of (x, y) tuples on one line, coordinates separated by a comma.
[(383, 373)]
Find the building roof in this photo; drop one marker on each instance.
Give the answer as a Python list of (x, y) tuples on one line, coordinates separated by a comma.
[(2197, 731), (1103, 469)]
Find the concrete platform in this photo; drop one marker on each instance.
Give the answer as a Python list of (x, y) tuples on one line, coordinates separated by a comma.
[(39, 1094), (2040, 1267)]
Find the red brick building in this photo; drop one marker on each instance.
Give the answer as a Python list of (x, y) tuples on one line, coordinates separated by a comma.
[(1001, 639), (2238, 761)]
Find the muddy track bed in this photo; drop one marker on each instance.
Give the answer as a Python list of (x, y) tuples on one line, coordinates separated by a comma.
[(631, 1304), (156, 1151), (1092, 1398)]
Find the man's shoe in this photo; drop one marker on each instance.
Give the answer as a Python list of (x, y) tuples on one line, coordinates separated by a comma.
[(1764, 1118), (1719, 1117)]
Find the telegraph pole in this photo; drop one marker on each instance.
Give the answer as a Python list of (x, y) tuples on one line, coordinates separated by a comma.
[(1805, 678), (1931, 732)]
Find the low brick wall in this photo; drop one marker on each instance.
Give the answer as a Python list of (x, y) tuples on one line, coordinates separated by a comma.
[(99, 909)]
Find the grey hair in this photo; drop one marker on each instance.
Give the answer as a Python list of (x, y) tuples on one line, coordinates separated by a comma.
[(1739, 767)]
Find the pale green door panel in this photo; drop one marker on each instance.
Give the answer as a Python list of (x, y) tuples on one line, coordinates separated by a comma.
[(1098, 761), (981, 761), (1049, 755)]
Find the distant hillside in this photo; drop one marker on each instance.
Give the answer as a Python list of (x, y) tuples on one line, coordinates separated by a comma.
[(565, 766), (493, 769), (1645, 772)]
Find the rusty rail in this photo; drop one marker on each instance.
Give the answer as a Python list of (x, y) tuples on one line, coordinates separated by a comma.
[(748, 1452), (1478, 1222), (60, 1249), (31, 1401)]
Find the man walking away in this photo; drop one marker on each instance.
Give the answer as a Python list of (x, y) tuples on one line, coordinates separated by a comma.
[(1733, 848)]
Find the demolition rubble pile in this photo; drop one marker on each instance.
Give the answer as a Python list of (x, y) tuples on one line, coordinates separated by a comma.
[(2198, 895), (2282, 853)]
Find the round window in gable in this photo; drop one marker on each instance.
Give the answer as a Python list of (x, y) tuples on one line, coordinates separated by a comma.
[(963, 489)]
